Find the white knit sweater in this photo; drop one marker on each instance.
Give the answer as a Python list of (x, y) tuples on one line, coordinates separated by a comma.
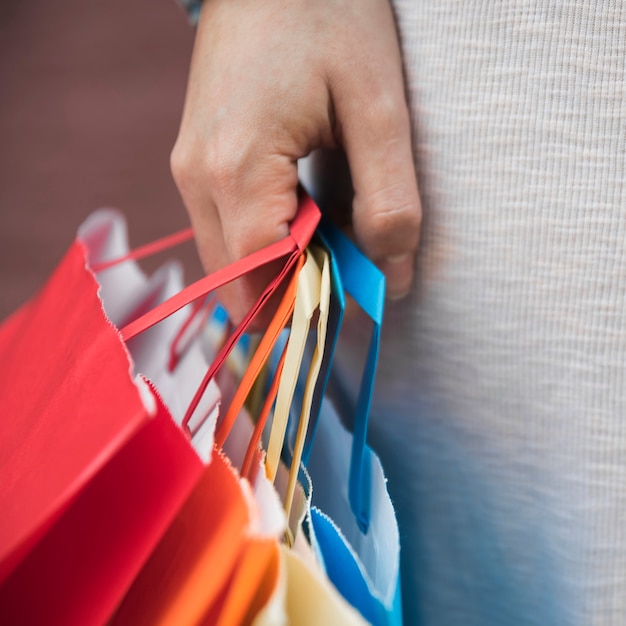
[(501, 401)]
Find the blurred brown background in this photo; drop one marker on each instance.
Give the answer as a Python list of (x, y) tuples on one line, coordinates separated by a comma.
[(91, 93)]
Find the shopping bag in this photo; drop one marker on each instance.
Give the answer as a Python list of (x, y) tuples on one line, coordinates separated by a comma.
[(309, 596), (304, 595), (353, 529), (352, 524), (58, 463), (215, 558), (250, 590), (80, 514), (364, 567), (192, 566)]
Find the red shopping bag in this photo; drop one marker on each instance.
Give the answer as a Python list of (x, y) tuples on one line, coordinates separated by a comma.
[(92, 467), (82, 444)]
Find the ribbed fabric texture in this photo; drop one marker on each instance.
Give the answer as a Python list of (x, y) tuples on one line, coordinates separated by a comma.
[(500, 410)]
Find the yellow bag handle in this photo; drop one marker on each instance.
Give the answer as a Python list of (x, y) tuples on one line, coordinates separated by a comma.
[(307, 302), (323, 262)]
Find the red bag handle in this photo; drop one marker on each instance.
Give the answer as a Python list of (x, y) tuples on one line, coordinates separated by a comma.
[(229, 344), (300, 232), (206, 306), (149, 249)]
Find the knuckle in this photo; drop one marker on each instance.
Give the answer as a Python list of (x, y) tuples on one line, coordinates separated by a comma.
[(224, 160), (391, 221), (219, 161), (181, 164)]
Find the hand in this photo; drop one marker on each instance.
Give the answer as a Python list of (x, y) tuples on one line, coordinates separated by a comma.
[(271, 81)]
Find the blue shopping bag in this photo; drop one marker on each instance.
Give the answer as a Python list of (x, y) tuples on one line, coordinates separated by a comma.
[(352, 524)]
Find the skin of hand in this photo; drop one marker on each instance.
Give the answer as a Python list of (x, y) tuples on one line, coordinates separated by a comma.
[(269, 83)]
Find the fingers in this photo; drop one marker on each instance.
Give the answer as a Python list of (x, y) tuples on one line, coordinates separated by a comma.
[(252, 110), (250, 113), (236, 208), (375, 132)]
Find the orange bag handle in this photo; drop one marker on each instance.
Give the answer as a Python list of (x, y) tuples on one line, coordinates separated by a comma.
[(253, 446)]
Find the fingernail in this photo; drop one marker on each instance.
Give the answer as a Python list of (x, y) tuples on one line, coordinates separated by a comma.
[(398, 271)]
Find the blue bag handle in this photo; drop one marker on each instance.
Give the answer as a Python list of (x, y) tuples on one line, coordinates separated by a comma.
[(366, 284)]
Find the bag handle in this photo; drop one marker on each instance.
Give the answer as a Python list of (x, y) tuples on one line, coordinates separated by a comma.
[(200, 312), (307, 302), (244, 324), (253, 445), (235, 336), (366, 284), (149, 249), (301, 230), (265, 347), (322, 260), (313, 294)]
